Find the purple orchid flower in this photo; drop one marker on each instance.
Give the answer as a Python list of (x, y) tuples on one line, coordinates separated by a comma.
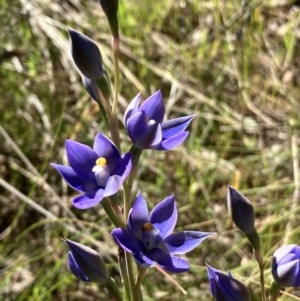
[(225, 287), (286, 266), (146, 128), (86, 55), (98, 172), (150, 238)]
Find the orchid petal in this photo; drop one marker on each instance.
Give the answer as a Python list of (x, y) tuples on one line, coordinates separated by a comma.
[(89, 199), (75, 269), (175, 126), (173, 142), (132, 108), (82, 159), (138, 216), (164, 216), (183, 242), (127, 240), (169, 262), (284, 251), (179, 265), (289, 272), (91, 88), (154, 107), (73, 179), (143, 261), (105, 148), (113, 185), (123, 166), (136, 125), (150, 138)]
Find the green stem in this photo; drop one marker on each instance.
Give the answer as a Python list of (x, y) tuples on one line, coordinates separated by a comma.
[(140, 277), (113, 121), (262, 282), (123, 272), (135, 295), (113, 290), (275, 297), (128, 257), (110, 211), (127, 198), (136, 154), (114, 130), (274, 291), (115, 46), (117, 211), (261, 265)]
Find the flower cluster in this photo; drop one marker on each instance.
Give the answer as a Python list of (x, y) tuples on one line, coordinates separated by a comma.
[(99, 173)]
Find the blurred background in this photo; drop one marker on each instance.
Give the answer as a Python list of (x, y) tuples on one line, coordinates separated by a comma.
[(235, 64)]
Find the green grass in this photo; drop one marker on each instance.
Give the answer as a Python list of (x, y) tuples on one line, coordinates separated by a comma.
[(236, 67)]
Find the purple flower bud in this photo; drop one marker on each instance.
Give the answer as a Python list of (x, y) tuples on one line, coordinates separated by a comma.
[(102, 84), (92, 88), (85, 263), (225, 287), (241, 210), (286, 266), (110, 8), (86, 55)]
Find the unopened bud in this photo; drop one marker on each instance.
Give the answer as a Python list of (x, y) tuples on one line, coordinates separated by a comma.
[(85, 263), (241, 210), (286, 266), (86, 55), (226, 288), (110, 8)]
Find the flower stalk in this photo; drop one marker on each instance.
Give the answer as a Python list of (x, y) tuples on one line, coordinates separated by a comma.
[(112, 121), (113, 290), (115, 47), (262, 282), (134, 293), (112, 213)]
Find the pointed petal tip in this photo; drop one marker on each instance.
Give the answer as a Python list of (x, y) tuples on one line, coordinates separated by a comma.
[(83, 202)]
